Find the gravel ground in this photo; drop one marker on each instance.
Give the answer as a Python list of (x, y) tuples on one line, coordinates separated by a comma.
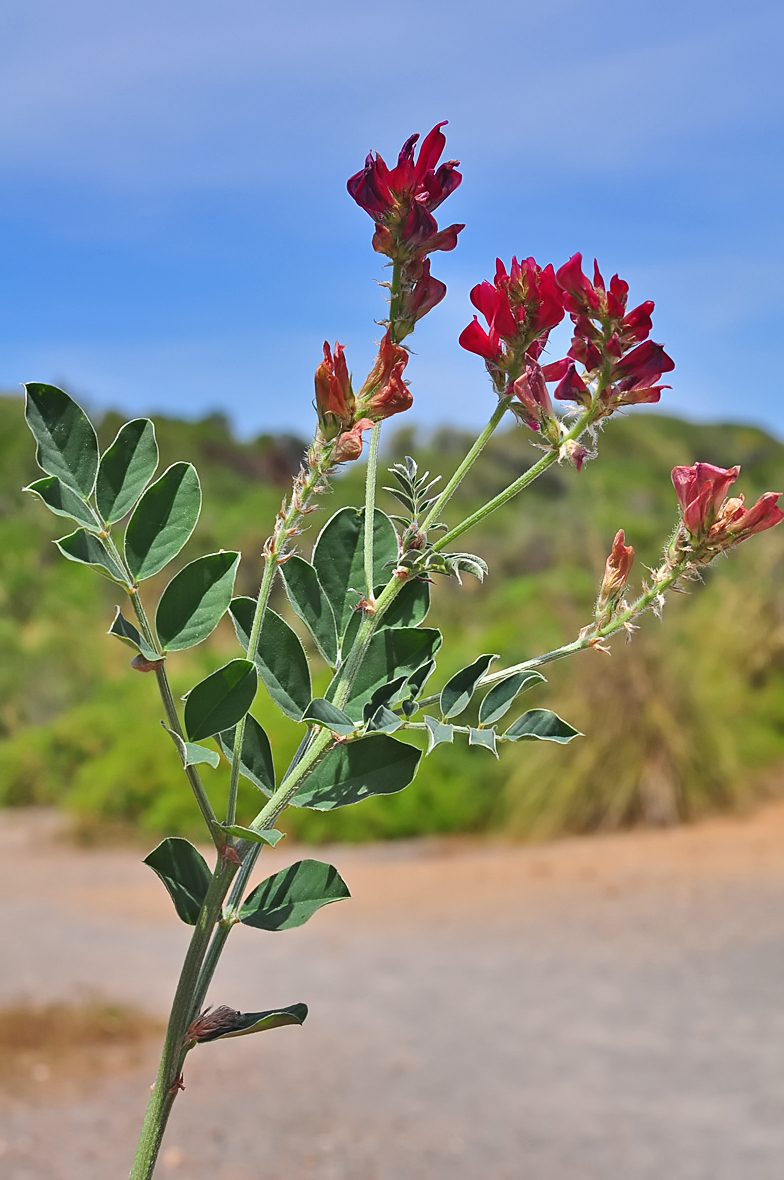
[(608, 1008)]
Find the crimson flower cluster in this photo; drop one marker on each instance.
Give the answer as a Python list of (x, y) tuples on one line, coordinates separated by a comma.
[(401, 201), (621, 366), (713, 522)]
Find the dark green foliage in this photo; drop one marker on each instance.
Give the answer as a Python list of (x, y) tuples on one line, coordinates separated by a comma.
[(541, 725), (280, 657), (256, 763), (196, 600), (501, 696), (220, 700), (391, 653), (64, 501), (66, 443), (163, 520), (458, 690), (125, 469), (293, 895), (308, 599), (184, 872), (338, 556), (90, 550), (324, 713), (374, 765)]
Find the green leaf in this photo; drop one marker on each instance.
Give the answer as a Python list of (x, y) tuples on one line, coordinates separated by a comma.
[(256, 763), (163, 520), (220, 700), (253, 1022), (383, 696), (410, 607), (131, 636), (416, 681), (326, 714), (191, 753), (437, 733), (184, 872), (64, 501), (307, 597), (501, 695), (384, 721), (90, 550), (457, 692), (483, 737), (257, 835), (391, 653), (126, 469), (293, 895), (67, 444), (280, 657), (196, 600), (350, 772), (543, 725), (338, 556)]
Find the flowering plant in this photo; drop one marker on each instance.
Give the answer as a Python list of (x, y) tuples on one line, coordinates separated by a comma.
[(363, 594)]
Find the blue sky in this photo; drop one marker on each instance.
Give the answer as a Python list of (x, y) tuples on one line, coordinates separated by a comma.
[(175, 233)]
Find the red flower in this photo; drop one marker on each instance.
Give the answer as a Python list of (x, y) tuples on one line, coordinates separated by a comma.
[(384, 392), (424, 295), (475, 339), (617, 568), (762, 515), (572, 388), (520, 306), (401, 200), (536, 409), (701, 490), (643, 365), (709, 518), (579, 293), (334, 395)]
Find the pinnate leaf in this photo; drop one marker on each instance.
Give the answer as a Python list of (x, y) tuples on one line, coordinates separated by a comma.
[(90, 550), (501, 695), (256, 763), (307, 597)]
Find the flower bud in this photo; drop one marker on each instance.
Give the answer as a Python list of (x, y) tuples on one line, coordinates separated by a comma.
[(334, 395), (385, 393), (617, 569), (349, 444)]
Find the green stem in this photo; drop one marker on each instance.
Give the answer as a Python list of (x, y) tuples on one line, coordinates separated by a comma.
[(370, 508), (661, 585), (183, 1011), (467, 463), (583, 422)]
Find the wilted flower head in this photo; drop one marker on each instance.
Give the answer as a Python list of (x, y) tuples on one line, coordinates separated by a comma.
[(349, 444), (713, 522)]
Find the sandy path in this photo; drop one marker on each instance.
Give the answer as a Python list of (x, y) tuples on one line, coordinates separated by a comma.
[(609, 1008)]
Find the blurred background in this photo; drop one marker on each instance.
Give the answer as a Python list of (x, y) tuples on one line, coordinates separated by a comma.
[(176, 240)]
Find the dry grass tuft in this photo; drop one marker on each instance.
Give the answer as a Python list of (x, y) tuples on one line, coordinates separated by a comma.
[(63, 1044)]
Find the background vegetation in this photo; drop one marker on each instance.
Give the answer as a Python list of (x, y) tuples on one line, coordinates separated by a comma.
[(687, 719)]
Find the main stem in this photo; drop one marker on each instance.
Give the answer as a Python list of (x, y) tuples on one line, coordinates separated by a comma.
[(370, 508)]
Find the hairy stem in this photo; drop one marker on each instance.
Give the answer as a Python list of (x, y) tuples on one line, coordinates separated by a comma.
[(528, 477), (370, 508), (467, 463)]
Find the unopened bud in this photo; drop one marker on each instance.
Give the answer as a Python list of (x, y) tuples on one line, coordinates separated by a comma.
[(617, 569), (142, 664)]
